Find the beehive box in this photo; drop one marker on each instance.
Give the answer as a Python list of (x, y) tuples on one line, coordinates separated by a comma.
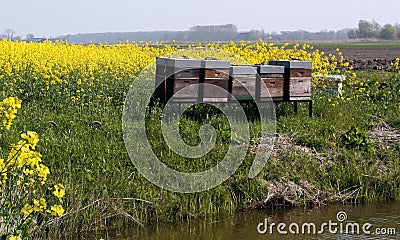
[(297, 84), (243, 80), (216, 73), (330, 83), (178, 74), (273, 78)]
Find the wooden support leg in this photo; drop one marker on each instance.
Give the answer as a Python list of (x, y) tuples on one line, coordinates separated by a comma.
[(295, 107), (310, 113)]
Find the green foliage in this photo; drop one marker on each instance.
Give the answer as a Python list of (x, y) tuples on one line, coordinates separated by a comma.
[(388, 32), (372, 29), (27, 205), (368, 29), (356, 138)]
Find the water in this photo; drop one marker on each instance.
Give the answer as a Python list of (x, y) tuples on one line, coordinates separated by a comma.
[(382, 217)]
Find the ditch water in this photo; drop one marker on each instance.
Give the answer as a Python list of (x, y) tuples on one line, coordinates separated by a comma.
[(382, 218)]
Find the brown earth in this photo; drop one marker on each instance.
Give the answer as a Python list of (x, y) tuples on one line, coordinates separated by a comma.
[(385, 135), (369, 58)]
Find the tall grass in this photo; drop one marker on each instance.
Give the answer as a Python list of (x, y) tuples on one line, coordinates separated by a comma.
[(83, 145)]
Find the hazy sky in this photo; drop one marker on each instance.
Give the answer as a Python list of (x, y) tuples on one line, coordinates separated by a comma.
[(53, 18)]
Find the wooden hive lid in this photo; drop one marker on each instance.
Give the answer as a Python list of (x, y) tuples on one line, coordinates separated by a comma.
[(180, 63), (262, 69), (242, 70), (215, 64), (292, 63)]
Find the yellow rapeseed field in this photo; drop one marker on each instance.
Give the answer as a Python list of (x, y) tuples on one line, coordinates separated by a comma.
[(87, 73)]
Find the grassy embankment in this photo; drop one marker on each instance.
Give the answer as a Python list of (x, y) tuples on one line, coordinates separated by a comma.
[(105, 189), (79, 125)]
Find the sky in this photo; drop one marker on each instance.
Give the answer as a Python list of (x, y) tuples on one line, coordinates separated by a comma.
[(51, 18)]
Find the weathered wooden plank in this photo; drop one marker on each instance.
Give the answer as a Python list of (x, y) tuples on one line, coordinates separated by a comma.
[(292, 64), (161, 61), (191, 92), (160, 70), (215, 90), (243, 86), (271, 76), (220, 83), (215, 64), (182, 63), (300, 72), (187, 74), (244, 77), (242, 70), (270, 69), (275, 88), (243, 81), (300, 87), (217, 73)]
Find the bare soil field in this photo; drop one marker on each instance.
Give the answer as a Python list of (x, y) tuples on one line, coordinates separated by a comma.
[(367, 58)]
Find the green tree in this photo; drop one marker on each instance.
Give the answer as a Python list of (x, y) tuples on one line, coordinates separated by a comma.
[(368, 29), (352, 34), (376, 28), (388, 32)]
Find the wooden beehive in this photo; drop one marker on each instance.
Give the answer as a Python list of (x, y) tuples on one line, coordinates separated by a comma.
[(243, 80), (176, 74), (297, 84), (273, 78), (330, 83), (216, 73)]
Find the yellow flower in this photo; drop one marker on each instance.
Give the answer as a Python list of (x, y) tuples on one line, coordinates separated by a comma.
[(32, 138), (26, 210), (15, 238), (8, 109), (57, 210), (59, 190), (40, 205), (4, 178), (42, 172)]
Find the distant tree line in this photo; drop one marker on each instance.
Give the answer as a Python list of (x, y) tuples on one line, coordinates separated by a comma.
[(372, 29), (224, 33), (209, 33), (215, 28), (306, 35)]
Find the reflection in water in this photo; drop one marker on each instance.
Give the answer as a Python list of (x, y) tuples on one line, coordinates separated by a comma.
[(244, 225)]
